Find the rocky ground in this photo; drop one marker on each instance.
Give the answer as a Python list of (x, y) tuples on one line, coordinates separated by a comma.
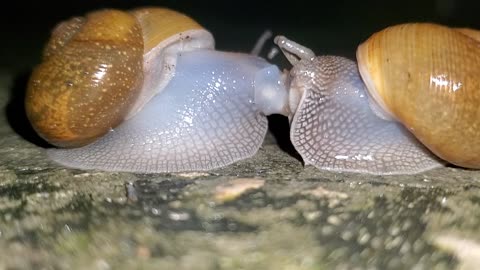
[(267, 212)]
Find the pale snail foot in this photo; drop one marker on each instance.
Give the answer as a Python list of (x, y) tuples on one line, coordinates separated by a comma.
[(204, 119), (335, 129)]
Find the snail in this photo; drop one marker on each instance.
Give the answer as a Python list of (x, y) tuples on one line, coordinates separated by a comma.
[(195, 108), (411, 103), (145, 91)]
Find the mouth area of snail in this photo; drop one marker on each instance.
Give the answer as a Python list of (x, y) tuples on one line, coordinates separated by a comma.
[(271, 96)]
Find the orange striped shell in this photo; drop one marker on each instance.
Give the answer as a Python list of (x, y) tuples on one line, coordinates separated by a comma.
[(427, 77)]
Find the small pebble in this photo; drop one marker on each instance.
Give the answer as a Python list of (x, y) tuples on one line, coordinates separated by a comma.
[(321, 192), (131, 192), (192, 174), (234, 188), (143, 252), (467, 250)]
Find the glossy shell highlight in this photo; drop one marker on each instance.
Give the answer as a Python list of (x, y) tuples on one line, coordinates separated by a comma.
[(69, 99), (427, 77)]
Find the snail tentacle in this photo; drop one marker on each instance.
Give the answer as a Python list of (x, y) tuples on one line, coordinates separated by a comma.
[(292, 50), (257, 48)]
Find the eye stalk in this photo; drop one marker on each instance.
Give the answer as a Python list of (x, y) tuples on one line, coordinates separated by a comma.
[(293, 51)]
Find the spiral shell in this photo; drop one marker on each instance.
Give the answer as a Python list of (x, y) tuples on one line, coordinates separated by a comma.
[(427, 77), (89, 77), (103, 68)]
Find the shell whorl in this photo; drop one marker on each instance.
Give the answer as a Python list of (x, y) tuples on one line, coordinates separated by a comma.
[(426, 76), (159, 24), (101, 69), (69, 99)]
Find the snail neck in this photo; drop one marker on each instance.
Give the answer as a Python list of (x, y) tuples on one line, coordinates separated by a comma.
[(271, 96)]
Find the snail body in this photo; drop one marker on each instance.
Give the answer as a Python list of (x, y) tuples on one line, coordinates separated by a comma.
[(199, 126), (413, 83), (191, 107), (145, 91), (432, 88)]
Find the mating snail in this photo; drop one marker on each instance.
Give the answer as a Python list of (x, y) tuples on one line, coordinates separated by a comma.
[(194, 108), (418, 77), (182, 105)]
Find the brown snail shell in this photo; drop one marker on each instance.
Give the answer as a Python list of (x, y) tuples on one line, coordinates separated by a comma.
[(98, 70), (191, 107), (68, 98), (427, 77)]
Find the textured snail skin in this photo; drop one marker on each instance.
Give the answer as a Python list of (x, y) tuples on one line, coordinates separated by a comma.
[(427, 77), (335, 129), (206, 117)]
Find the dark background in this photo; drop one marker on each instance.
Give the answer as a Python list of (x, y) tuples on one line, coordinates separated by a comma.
[(326, 26)]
